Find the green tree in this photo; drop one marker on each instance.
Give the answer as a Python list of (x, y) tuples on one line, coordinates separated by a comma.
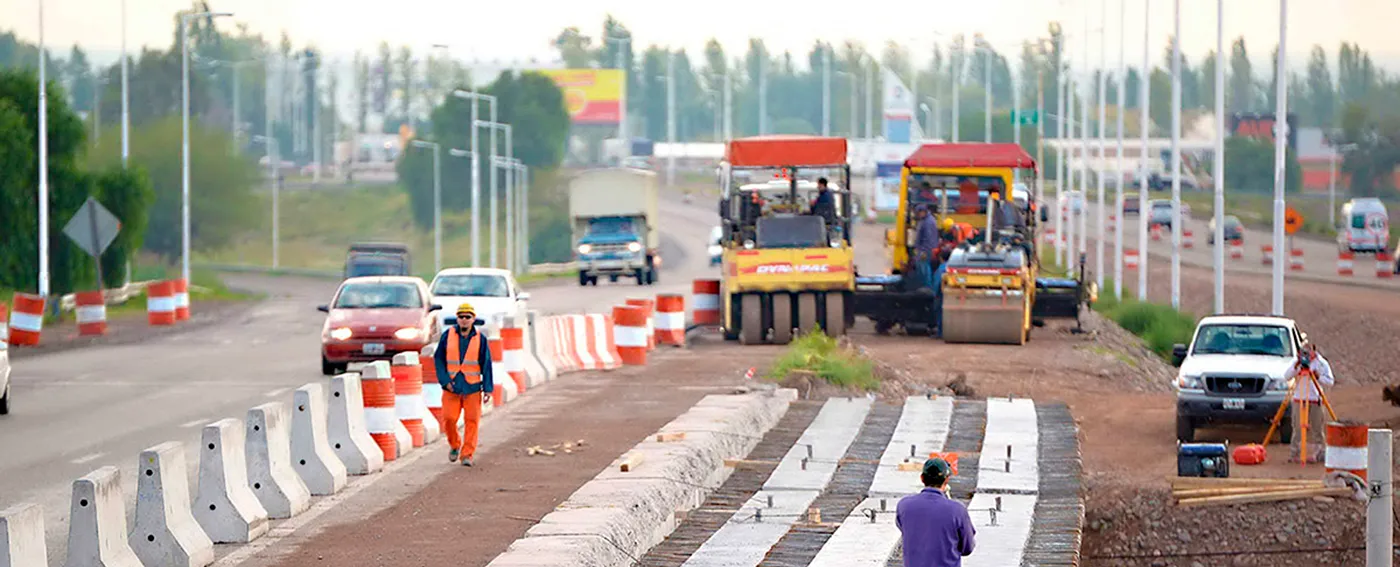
[(127, 193), (654, 92), (575, 48), (1249, 166), (1322, 96), (1241, 96)]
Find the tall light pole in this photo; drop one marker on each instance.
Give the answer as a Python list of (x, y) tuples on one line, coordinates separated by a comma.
[(437, 201), (1062, 181), (316, 123), (1039, 158), (955, 72), (274, 166), (671, 117), (762, 91), (524, 247), (1102, 143), (1144, 125), (1016, 110), (826, 90), (126, 95), (1280, 149), (43, 162), (728, 106), (1118, 177), (987, 96), (622, 131), (495, 127), (935, 120), (1176, 157), (475, 153), (185, 136), (1219, 173), (870, 100)]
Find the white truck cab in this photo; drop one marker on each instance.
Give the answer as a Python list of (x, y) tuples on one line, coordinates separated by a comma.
[(1365, 226), (1237, 369)]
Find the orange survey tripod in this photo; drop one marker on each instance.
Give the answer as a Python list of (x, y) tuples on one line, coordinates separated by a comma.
[(1305, 372)]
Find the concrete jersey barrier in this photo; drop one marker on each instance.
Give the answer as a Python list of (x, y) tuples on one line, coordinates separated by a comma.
[(97, 522), (22, 537), (165, 531), (269, 454), (540, 346), (312, 456), (224, 504), (349, 438)]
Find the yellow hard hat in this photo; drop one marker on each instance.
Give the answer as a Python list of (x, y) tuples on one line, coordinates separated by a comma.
[(466, 309), (947, 224)]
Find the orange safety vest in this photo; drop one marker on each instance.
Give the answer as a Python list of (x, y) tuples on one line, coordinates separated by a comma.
[(470, 367)]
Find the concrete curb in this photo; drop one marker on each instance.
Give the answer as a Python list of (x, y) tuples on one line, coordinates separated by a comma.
[(312, 456), (97, 522), (22, 537), (537, 349), (346, 429), (165, 532), (225, 505), (269, 455), (617, 516)]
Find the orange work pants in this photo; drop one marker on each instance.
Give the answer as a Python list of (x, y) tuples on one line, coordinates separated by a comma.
[(467, 408)]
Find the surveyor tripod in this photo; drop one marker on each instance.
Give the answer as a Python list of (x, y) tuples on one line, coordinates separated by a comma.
[(1304, 373)]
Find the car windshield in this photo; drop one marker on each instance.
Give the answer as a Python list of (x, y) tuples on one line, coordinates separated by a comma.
[(1266, 340), (378, 295), (471, 285)]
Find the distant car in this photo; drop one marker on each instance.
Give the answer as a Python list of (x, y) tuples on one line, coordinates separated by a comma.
[(374, 318), (4, 378), (1367, 226), (1131, 204), (1234, 230), (1161, 213), (714, 249), (492, 292), (377, 259), (1072, 200)]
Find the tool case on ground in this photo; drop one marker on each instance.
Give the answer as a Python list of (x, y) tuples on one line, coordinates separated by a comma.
[(1203, 460)]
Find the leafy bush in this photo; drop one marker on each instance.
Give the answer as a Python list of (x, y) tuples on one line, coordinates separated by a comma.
[(821, 355), (1160, 326)]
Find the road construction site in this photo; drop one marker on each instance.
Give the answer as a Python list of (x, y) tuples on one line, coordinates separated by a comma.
[(706, 447)]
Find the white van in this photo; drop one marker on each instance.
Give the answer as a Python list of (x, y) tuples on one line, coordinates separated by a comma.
[(1365, 226)]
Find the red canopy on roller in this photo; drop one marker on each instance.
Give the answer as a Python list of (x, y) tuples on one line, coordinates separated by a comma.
[(786, 151), (971, 155)]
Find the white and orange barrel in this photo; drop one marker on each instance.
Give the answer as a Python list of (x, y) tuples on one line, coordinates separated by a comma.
[(630, 323), (1346, 448), (432, 390), (498, 357), (606, 332), (1187, 238), (585, 342), (182, 299), (1130, 258), (160, 303), (648, 305), (513, 355), (705, 302), (1237, 249), (91, 310), (27, 319), (670, 319), (408, 394), (1295, 259), (1385, 265), (4, 322), (565, 351), (380, 415), (1157, 232), (1345, 263), (1267, 254)]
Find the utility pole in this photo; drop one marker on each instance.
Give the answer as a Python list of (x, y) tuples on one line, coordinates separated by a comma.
[(826, 90), (728, 106), (1102, 154), (1016, 110), (475, 99), (1219, 173), (955, 70), (987, 102), (1176, 157), (126, 95), (622, 131), (1145, 122), (1118, 175), (1061, 178), (1039, 158), (870, 100), (1280, 147), (44, 161), (671, 117), (762, 92)]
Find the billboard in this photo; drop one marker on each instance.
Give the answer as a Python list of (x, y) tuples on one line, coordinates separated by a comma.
[(592, 96)]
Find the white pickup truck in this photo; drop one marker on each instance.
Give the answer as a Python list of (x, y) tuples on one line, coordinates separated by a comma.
[(1237, 369)]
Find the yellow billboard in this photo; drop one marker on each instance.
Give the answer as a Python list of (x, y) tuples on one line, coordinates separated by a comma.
[(592, 96)]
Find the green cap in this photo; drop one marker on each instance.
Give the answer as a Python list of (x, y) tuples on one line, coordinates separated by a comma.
[(938, 467)]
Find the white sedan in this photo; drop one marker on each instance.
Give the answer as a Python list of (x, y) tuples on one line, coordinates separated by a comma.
[(493, 292)]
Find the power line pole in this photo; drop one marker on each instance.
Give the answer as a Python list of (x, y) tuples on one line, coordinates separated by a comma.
[(1118, 179), (1219, 172), (762, 93), (671, 117), (1101, 156), (826, 90), (1280, 149), (1145, 125), (1176, 157)]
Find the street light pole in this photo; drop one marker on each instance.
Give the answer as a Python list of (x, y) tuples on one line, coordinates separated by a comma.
[(1280, 148), (762, 92), (274, 165), (185, 137), (955, 72), (1102, 143), (437, 201), (475, 99), (43, 162), (987, 96), (728, 106), (1144, 125), (1219, 173), (1118, 175), (671, 117), (826, 90), (126, 95), (1176, 156), (622, 118), (870, 100), (1062, 181)]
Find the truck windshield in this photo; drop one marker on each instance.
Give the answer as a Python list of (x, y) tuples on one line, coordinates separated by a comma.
[(928, 189), (1265, 340), (378, 295), (373, 265), (791, 232), (610, 226), (474, 285)]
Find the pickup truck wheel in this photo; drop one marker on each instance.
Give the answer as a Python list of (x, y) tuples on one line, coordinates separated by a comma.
[(612, 279), (1185, 429)]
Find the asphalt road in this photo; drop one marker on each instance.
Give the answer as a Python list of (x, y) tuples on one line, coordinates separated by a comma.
[(78, 410)]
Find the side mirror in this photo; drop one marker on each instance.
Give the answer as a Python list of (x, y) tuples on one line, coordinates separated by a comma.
[(323, 308), (1178, 354), (434, 307), (522, 296)]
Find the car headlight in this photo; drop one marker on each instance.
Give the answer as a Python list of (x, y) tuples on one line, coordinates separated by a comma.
[(835, 243), (341, 334), (1279, 384), (1188, 382), (634, 247), (715, 250), (584, 248), (748, 244), (407, 333)]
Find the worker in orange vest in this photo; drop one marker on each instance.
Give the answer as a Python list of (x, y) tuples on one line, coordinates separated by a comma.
[(463, 361)]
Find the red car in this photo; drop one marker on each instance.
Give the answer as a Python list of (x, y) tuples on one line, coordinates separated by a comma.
[(374, 318)]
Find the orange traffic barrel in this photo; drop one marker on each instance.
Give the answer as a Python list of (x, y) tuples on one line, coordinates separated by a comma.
[(513, 355), (648, 305), (160, 303), (705, 302), (408, 394), (91, 309), (380, 414), (27, 319), (630, 331), (1346, 448), (182, 299), (670, 319)]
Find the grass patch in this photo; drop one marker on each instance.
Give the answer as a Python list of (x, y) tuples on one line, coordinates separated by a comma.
[(822, 356), (1159, 326)]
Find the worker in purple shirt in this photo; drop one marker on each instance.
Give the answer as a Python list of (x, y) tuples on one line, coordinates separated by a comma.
[(936, 530)]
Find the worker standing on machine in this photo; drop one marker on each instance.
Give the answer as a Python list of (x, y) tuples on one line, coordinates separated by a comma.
[(1306, 392), (925, 247)]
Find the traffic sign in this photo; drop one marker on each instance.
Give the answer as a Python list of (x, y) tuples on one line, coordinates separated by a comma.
[(1292, 220), (1026, 117), (93, 227)]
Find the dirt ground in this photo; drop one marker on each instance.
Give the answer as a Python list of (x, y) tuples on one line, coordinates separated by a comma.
[(467, 516)]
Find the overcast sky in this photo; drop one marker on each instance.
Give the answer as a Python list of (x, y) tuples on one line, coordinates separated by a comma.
[(524, 28)]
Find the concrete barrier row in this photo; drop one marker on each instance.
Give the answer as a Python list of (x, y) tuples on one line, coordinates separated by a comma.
[(619, 515)]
